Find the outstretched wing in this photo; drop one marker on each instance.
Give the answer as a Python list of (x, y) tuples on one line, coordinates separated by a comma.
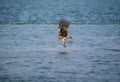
[(63, 24)]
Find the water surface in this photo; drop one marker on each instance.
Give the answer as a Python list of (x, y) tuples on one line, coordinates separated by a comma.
[(31, 53)]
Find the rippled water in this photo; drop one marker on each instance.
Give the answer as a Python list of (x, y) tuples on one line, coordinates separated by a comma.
[(51, 11), (31, 53)]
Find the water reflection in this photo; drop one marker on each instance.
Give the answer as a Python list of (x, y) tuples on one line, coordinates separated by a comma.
[(62, 52)]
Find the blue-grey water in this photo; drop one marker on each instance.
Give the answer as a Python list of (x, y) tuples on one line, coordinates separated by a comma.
[(50, 11), (31, 53)]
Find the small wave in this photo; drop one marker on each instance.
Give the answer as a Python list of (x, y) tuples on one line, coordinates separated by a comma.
[(114, 50)]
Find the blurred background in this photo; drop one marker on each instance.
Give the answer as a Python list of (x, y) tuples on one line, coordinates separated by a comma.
[(51, 11)]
